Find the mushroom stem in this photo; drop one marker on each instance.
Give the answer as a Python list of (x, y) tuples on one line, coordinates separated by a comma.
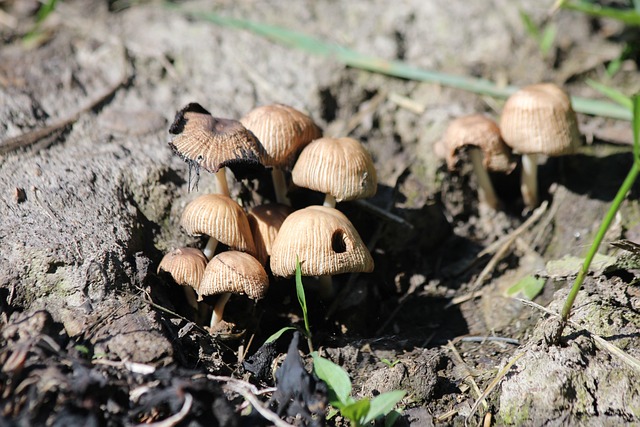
[(329, 201), (223, 187), (486, 193), (280, 186), (218, 309), (210, 249), (529, 180)]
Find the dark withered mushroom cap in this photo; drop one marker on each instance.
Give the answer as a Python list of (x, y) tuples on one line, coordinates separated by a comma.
[(213, 143)]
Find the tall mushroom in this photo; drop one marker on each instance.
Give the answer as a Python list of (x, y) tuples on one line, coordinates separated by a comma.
[(538, 119), (324, 241), (480, 137), (213, 143), (283, 132), (220, 218), (341, 168), (232, 272)]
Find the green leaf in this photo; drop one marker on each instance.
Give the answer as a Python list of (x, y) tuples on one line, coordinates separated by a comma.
[(612, 93), (383, 404), (301, 298), (529, 25), (529, 287), (357, 411), (336, 378), (627, 16), (279, 334)]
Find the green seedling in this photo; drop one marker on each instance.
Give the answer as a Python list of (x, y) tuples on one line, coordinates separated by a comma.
[(359, 412), (43, 13), (629, 16), (389, 363), (302, 300), (608, 219), (528, 287), (543, 35)]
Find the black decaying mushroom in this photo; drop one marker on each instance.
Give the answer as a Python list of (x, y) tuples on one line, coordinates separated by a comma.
[(213, 143)]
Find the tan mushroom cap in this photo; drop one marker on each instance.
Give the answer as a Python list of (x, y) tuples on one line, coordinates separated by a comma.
[(219, 217), (341, 167), (325, 242), (265, 221), (539, 119), (283, 132), (237, 273), (478, 131), (210, 142), (185, 265)]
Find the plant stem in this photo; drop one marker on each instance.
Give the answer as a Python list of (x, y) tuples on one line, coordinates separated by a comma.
[(615, 205)]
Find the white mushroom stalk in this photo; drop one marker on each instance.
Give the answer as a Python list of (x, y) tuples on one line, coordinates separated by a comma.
[(486, 192), (529, 180)]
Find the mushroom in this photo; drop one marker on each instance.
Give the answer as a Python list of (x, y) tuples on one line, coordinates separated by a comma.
[(185, 266), (339, 167), (220, 218), (232, 272), (325, 243), (283, 132), (213, 143), (480, 136), (538, 119), (265, 221)]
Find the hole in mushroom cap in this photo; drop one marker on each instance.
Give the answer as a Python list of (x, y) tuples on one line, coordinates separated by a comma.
[(338, 242)]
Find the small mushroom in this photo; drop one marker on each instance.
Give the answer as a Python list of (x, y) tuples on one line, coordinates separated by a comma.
[(233, 272), (538, 119), (185, 266), (283, 132), (220, 218), (324, 241), (265, 222), (480, 136), (341, 168), (213, 143)]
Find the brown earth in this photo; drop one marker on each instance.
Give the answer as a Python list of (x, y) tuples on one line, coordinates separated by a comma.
[(92, 196)]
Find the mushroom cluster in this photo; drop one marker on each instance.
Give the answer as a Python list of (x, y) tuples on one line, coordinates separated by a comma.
[(248, 244), (535, 120)]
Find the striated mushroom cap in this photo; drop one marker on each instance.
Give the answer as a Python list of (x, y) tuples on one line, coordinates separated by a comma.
[(218, 216), (185, 265), (341, 167), (213, 143), (325, 242), (283, 132), (265, 222), (478, 131), (237, 273), (539, 119)]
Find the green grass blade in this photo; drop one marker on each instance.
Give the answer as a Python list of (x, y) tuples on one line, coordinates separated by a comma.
[(627, 16), (397, 68), (302, 298), (612, 93), (636, 127)]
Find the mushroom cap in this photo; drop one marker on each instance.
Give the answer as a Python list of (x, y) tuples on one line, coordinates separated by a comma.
[(341, 167), (185, 266), (211, 142), (234, 272), (479, 131), (539, 119), (325, 242), (283, 132), (218, 216), (265, 221)]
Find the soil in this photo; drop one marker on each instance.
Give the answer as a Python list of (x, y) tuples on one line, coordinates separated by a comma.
[(92, 195)]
